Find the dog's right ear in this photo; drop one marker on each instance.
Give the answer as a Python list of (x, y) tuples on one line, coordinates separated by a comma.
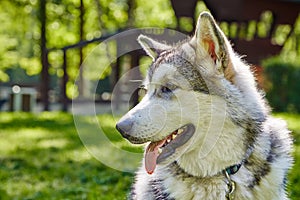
[(152, 47)]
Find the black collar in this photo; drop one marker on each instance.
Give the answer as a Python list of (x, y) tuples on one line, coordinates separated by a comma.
[(231, 170)]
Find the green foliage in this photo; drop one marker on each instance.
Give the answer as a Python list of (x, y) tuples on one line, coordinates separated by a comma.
[(264, 25), (186, 24), (282, 84), (18, 37), (20, 32), (145, 62), (155, 13)]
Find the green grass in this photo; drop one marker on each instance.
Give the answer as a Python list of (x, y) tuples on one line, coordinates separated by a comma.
[(293, 121), (42, 157)]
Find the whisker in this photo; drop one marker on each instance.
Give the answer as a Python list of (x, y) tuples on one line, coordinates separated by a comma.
[(136, 81)]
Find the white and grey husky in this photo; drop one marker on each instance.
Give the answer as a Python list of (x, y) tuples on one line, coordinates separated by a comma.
[(209, 131)]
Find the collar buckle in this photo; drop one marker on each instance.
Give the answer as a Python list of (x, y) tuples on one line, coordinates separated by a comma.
[(230, 184)]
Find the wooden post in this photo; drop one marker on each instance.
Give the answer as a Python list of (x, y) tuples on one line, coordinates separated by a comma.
[(44, 57), (134, 62), (115, 76), (64, 83), (81, 32)]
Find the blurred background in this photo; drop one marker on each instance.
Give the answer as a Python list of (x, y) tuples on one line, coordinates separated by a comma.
[(43, 46)]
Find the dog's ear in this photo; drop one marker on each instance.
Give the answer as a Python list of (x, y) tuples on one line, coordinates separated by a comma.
[(152, 47), (208, 36)]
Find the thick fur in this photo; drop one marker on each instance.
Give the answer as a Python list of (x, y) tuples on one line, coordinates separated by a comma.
[(203, 82)]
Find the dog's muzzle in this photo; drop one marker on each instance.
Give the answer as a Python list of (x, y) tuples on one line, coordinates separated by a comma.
[(158, 151)]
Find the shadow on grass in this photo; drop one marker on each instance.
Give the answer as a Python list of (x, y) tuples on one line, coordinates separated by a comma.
[(42, 157)]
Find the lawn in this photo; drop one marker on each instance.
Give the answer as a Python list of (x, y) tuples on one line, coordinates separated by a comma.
[(42, 157)]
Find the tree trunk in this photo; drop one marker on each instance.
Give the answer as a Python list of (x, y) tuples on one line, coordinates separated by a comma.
[(44, 57), (81, 32)]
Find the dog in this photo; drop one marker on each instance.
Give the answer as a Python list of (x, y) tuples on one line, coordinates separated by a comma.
[(209, 130)]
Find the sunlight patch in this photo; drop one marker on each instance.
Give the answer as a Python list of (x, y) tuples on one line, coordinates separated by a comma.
[(58, 143), (79, 155), (29, 133)]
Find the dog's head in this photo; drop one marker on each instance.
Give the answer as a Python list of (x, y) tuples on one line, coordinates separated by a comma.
[(184, 84)]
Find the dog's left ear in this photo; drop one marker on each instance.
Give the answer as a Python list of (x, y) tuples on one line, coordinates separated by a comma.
[(152, 47), (208, 36)]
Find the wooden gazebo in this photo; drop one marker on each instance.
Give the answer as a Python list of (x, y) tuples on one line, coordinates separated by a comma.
[(244, 12)]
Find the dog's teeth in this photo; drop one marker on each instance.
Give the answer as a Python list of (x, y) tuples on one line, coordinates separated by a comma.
[(168, 140), (180, 131), (173, 137), (159, 150)]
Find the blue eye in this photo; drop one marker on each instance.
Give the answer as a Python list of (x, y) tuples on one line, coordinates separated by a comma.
[(165, 89)]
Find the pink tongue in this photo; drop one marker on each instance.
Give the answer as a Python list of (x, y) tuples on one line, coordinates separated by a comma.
[(151, 155)]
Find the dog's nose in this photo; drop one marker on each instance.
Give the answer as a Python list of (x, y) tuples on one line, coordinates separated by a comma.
[(124, 127)]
